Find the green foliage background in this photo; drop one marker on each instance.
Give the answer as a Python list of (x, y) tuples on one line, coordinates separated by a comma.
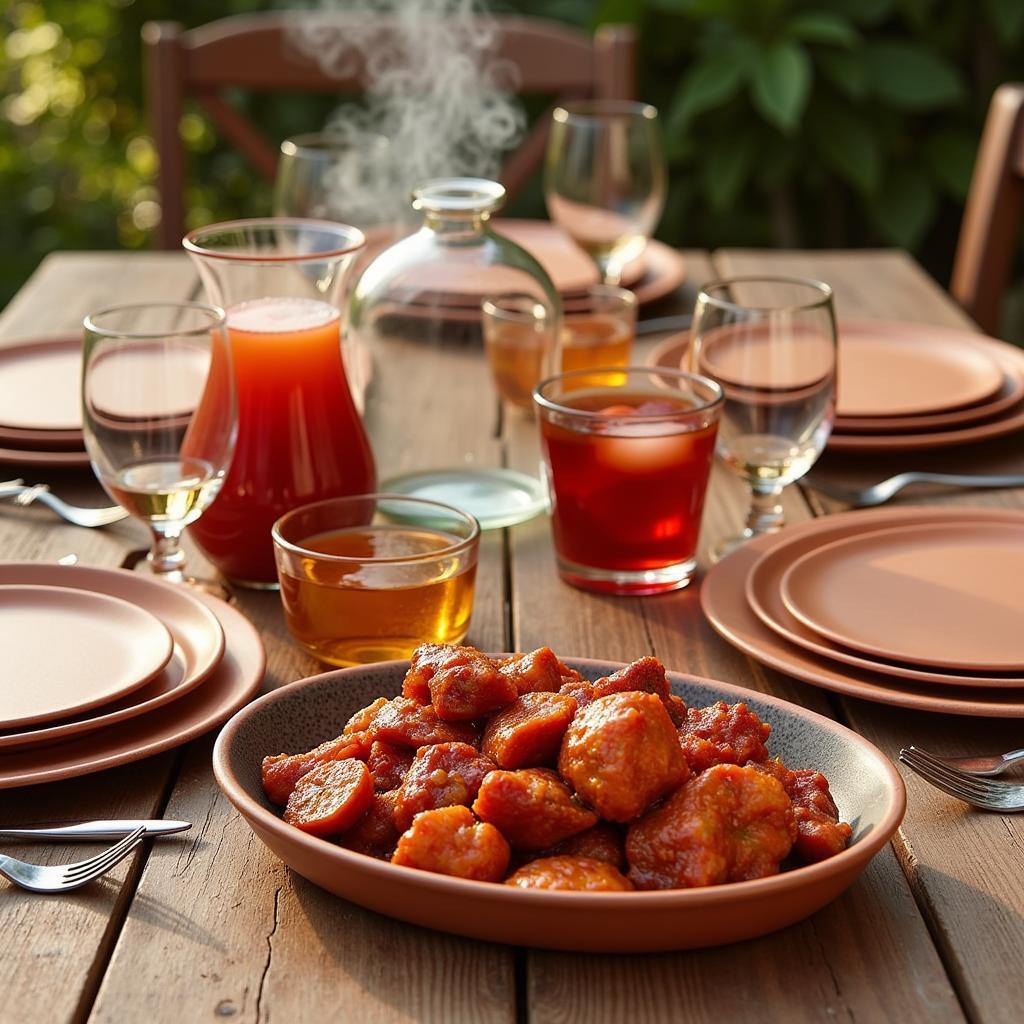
[(788, 122)]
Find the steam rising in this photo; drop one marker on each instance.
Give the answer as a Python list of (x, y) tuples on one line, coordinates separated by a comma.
[(433, 90)]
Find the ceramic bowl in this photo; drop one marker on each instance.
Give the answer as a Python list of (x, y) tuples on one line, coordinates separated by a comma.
[(865, 785)]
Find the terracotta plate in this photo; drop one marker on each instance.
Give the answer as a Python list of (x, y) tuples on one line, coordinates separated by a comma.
[(866, 787), (40, 384), (59, 459), (42, 440), (947, 596), (725, 606), (764, 596), (235, 681), (196, 631), (666, 271), (66, 651)]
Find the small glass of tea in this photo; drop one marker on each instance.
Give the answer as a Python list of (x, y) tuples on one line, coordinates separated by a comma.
[(627, 457), (371, 577), (520, 340), (598, 330)]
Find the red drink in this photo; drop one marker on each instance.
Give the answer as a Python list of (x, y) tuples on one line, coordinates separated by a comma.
[(299, 436), (627, 471)]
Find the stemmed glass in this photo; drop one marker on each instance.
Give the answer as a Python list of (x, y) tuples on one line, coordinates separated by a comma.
[(771, 344), (604, 179), (159, 416)]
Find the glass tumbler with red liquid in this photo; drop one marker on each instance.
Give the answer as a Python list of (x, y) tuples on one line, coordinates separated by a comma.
[(300, 438), (627, 454)]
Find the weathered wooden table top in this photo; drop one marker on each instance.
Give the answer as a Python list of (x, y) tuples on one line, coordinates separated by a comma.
[(211, 926)]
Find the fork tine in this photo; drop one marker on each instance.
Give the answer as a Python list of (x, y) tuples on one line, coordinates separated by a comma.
[(970, 783), (952, 789), (93, 867)]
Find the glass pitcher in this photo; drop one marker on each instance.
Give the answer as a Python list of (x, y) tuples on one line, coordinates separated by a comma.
[(300, 438)]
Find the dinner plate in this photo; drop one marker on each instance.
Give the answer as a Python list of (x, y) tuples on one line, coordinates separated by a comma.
[(67, 651), (196, 633), (233, 683), (866, 787), (56, 459), (40, 384), (941, 595), (763, 595), (42, 440), (723, 601)]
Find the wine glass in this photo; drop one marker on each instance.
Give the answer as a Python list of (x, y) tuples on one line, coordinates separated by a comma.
[(771, 344), (604, 179), (159, 416)]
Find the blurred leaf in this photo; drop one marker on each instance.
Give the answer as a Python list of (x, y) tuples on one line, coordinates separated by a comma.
[(726, 169), (862, 12), (781, 84), (708, 83), (619, 12), (1007, 18), (823, 27), (847, 71), (950, 156), (904, 206), (910, 77), (844, 137)]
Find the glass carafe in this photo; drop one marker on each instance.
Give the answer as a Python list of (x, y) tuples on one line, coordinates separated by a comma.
[(300, 438), (430, 290)]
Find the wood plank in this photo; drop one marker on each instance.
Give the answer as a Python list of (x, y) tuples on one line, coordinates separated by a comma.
[(960, 863)]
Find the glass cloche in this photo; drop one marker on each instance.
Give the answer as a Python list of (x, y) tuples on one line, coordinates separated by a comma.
[(491, 317)]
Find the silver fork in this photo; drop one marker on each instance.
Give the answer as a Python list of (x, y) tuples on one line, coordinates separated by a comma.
[(879, 493), (64, 877), (91, 517), (986, 764), (972, 789)]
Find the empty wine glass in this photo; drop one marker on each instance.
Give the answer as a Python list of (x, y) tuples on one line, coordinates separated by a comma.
[(771, 344), (159, 416), (604, 179)]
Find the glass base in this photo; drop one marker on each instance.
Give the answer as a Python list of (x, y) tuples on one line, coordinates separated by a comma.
[(727, 545), (496, 497), (622, 581)]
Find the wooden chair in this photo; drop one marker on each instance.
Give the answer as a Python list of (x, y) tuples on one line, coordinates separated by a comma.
[(253, 52), (990, 229)]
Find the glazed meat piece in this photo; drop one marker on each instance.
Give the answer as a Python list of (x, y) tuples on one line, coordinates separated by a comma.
[(460, 682), (621, 753), (441, 775), (537, 672), (388, 765), (580, 690), (280, 773), (820, 833), (533, 808), (646, 675), (727, 824), (602, 842), (452, 842), (330, 798), (374, 834), (363, 719), (676, 708), (723, 734), (582, 874), (528, 733), (405, 723)]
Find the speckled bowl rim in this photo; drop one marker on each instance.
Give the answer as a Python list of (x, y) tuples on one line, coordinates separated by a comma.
[(853, 858)]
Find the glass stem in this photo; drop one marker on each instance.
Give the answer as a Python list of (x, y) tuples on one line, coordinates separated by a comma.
[(765, 515), (165, 557)]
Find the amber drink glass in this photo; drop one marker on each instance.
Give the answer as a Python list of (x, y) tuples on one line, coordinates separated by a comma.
[(371, 577), (627, 457)]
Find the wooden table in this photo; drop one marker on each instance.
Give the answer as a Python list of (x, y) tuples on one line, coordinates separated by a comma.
[(212, 927)]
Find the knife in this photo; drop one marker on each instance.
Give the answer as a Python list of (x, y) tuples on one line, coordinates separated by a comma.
[(97, 829)]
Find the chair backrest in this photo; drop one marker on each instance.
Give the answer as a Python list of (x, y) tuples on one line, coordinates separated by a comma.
[(991, 226), (254, 52)]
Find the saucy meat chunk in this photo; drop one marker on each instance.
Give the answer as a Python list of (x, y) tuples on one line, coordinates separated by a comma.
[(528, 733), (280, 773), (602, 842), (451, 841), (533, 808), (727, 824), (646, 675), (460, 682), (582, 874), (540, 671), (405, 723), (374, 834), (723, 734), (441, 775), (621, 753), (330, 797), (388, 765)]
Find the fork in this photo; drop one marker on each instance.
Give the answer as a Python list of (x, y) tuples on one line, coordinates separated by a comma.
[(878, 494), (987, 764), (25, 496), (972, 789), (64, 877)]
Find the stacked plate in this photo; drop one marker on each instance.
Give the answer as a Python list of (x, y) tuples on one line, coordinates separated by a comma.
[(909, 387), (40, 403), (103, 667), (919, 608)]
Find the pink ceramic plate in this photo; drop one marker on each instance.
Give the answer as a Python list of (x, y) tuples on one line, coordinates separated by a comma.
[(764, 596), (39, 384), (723, 601), (56, 459), (942, 595), (867, 789), (234, 683)]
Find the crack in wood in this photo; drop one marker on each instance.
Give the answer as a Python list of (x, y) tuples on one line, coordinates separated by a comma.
[(270, 954)]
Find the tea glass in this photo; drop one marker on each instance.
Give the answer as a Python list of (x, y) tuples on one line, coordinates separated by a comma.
[(520, 342), (371, 577), (627, 455), (599, 330)]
